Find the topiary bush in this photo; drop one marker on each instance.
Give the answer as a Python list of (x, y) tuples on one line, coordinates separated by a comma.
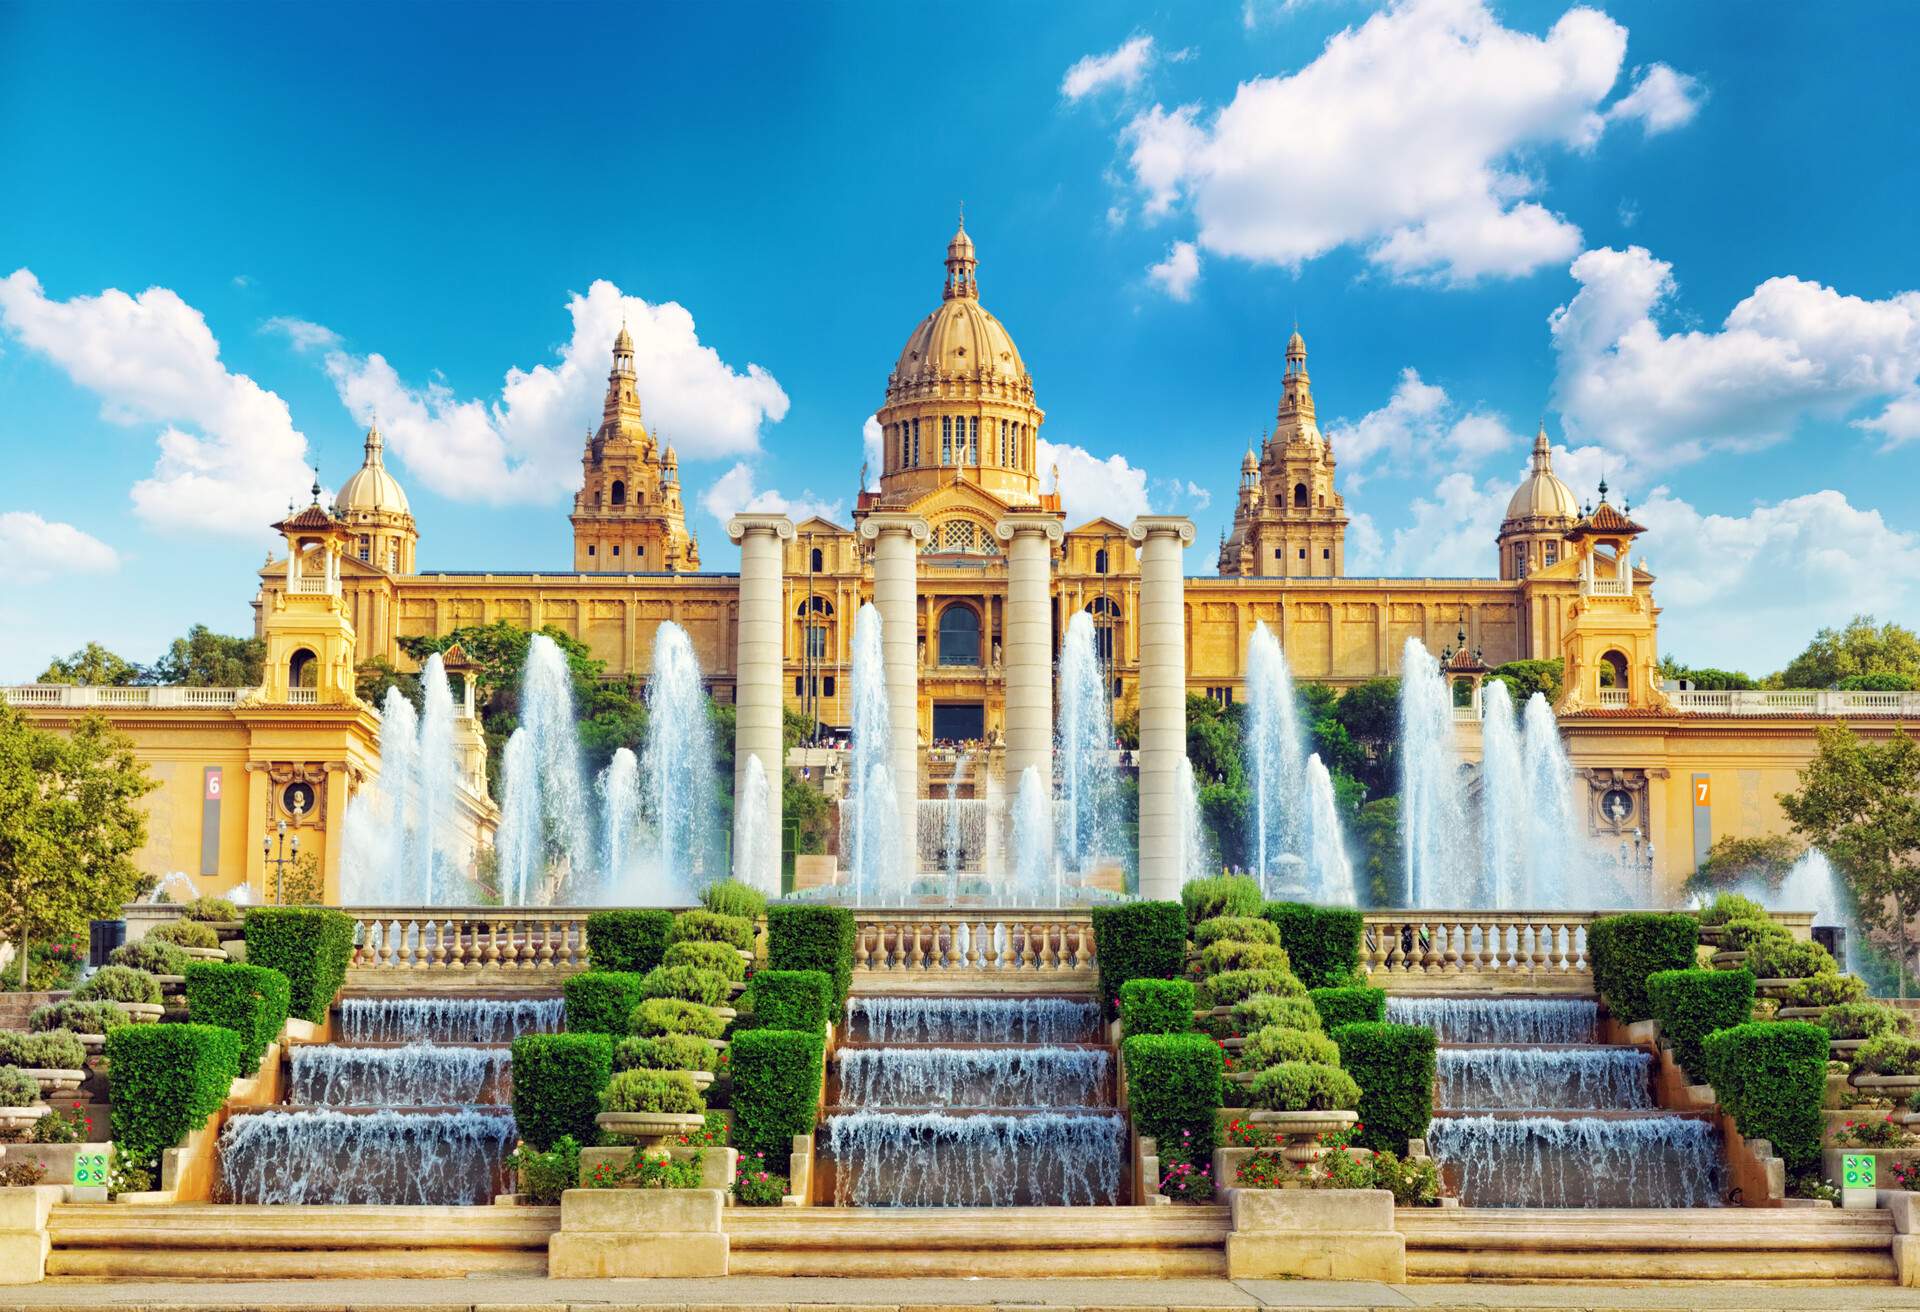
[(1245, 929), (119, 984), (1730, 906), (1323, 942), (706, 927), (1173, 1090), (311, 946), (1394, 1066), (642, 1090), (667, 1052), (801, 937), (1156, 1006), (185, 934), (1789, 958), (730, 897), (165, 1080), (57, 1050), (776, 1089), (1772, 1077), (1825, 989), (558, 1080), (211, 908), (1887, 1054), (1137, 940), (1264, 1009), (630, 942), (1624, 950), (1299, 1086), (1740, 933), (688, 983), (79, 1017), (673, 1016), (1276, 1043), (717, 957), (1350, 1005), (602, 1001), (250, 1000), (1223, 895), (154, 958), (1231, 986), (1232, 954), (17, 1088), (1862, 1020), (1691, 1004), (791, 1000)]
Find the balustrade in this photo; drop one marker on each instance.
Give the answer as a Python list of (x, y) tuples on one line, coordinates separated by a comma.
[(1024, 951), (1442, 951), (524, 944)]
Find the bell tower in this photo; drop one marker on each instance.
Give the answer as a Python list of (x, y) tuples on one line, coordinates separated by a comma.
[(309, 635), (628, 517), (1289, 521)]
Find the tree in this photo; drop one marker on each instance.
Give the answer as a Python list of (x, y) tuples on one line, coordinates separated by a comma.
[(70, 821), (1732, 861), (1370, 713), (1859, 802), (372, 680), (92, 666), (1382, 867), (1862, 647), (205, 659), (1705, 678), (1525, 678)]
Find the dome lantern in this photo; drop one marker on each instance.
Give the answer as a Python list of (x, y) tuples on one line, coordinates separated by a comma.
[(961, 264)]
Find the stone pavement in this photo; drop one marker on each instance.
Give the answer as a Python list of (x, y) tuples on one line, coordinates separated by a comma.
[(770, 1294)]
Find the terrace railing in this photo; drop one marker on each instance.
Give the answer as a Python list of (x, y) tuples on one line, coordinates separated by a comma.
[(974, 950), (412, 947)]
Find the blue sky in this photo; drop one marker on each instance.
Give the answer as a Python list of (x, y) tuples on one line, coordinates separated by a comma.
[(1675, 231)]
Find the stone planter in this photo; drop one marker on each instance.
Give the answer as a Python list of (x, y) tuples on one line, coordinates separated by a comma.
[(53, 1080), (18, 1120), (1712, 936), (639, 1233), (726, 1014), (1728, 960), (95, 1044), (1843, 1049), (64, 1160), (143, 1013), (206, 954), (1897, 1087), (717, 1165), (1810, 1014), (1301, 1131), (652, 1129), (1776, 988), (746, 957), (735, 990)]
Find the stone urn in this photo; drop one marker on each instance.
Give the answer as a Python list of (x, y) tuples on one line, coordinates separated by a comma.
[(1777, 988), (1300, 1131), (95, 1044), (651, 1129), (1812, 1014), (53, 1079), (18, 1120), (1843, 1049), (1726, 960), (702, 1080), (143, 1013), (206, 954), (746, 957), (1896, 1087)]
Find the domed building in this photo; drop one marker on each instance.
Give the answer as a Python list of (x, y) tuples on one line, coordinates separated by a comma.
[(1540, 514), (373, 506)]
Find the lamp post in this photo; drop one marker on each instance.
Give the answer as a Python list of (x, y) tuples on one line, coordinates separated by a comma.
[(289, 853)]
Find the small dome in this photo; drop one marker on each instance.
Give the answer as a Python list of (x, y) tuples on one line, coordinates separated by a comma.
[(1249, 463), (1541, 495), (371, 489), (961, 247), (672, 458), (624, 342), (1296, 344)]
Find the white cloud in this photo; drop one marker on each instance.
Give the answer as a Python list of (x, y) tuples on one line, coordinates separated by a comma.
[(1407, 136), (1448, 535), (1661, 100), (1091, 486), (733, 492), (872, 446), (229, 453), (1420, 425), (37, 549), (1200, 496), (1790, 350), (1121, 67), (1177, 274), (305, 335), (524, 444)]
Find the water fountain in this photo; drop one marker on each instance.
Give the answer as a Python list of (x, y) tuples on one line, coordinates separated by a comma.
[(545, 840), (1197, 860), (677, 780), (1033, 866), (1297, 840), (1433, 816), (870, 828), (752, 861), (400, 840), (1087, 804)]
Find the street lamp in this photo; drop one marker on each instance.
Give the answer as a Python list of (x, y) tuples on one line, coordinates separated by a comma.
[(288, 855)]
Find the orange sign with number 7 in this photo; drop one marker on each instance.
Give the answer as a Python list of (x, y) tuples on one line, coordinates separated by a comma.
[(1703, 792)]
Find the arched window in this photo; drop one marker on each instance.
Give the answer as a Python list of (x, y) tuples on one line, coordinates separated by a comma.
[(1106, 622), (1613, 670), (1100, 561), (817, 561), (959, 635), (619, 493), (301, 669), (1300, 495)]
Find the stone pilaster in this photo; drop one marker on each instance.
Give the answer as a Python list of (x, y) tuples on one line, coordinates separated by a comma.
[(1163, 698), (1028, 651), (896, 563), (757, 701)]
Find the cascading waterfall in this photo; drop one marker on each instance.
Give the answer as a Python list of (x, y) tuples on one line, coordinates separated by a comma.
[(975, 1077), (676, 774), (401, 840), (1433, 818), (1559, 854), (416, 1075), (1087, 808), (937, 1159), (871, 810), (1034, 878), (1584, 1079), (448, 1020), (1501, 1020), (952, 834), (972, 1020)]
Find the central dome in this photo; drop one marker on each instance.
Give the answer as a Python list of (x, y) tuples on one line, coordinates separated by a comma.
[(1541, 495), (371, 489), (960, 342)]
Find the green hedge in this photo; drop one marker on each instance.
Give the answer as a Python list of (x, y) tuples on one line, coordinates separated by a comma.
[(1156, 1006), (802, 937), (1173, 1091), (1322, 942), (165, 1080), (250, 1000), (1223, 895), (1772, 1076), (730, 897), (1355, 1004), (791, 1000), (1394, 1067), (311, 946), (1691, 1004), (631, 942), (776, 1089), (1625, 950), (558, 1080), (1137, 940), (700, 926), (602, 1001)]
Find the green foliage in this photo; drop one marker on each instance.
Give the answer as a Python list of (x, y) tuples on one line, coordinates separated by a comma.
[(208, 907), (93, 666), (716, 957), (602, 1001), (644, 1090), (1223, 895), (806, 812), (802, 937), (544, 1176), (1277, 1043), (1370, 714), (1705, 678), (52, 967), (1825, 989), (1174, 1088), (1862, 1020), (1156, 1006), (80, 1017), (558, 1080), (1880, 681), (1772, 1076), (119, 984), (730, 897), (706, 927), (56, 1050), (165, 1081), (1323, 943), (250, 1000), (1243, 929), (688, 983), (17, 1088), (311, 946), (673, 1016), (1525, 678), (1788, 958), (1626, 949), (1232, 954), (1137, 940), (1231, 986), (205, 659), (1733, 860), (1394, 1066), (1346, 1006), (154, 958), (1740, 934), (1862, 647), (667, 1052), (632, 942), (791, 1000), (776, 1089), (1730, 906), (755, 1186), (1382, 866), (1265, 1009), (186, 934), (1691, 1004), (1300, 1086), (1888, 1054)]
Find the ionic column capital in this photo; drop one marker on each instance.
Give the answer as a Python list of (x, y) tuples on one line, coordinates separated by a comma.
[(741, 525), (1153, 526), (894, 521), (1017, 522)]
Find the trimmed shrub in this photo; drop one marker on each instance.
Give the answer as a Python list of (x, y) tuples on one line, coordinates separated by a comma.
[(1276, 1043), (730, 897), (79, 1017), (1300, 1086), (247, 999), (1691, 1004), (776, 1089), (642, 1090), (630, 942), (1625, 949), (58, 1050), (119, 984), (1887, 1054), (1826, 989), (1245, 929), (558, 1080), (602, 1001), (185, 934), (1394, 1066), (1137, 940), (668, 1052), (1350, 1005), (1323, 942), (1740, 934), (673, 1016), (791, 1000), (688, 983), (1772, 1077), (1232, 954), (1862, 1020), (1156, 1006), (1229, 987), (1223, 895), (801, 937), (1173, 1091), (311, 946), (17, 1088), (717, 957), (211, 908), (1730, 906), (154, 958), (1266, 1009), (706, 927), (1789, 958), (165, 1081)]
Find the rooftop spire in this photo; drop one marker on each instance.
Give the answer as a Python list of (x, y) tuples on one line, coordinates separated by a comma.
[(1542, 462), (961, 263), (376, 445)]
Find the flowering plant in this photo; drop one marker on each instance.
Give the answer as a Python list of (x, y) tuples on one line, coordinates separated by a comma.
[(755, 1186), (711, 1135), (1247, 1134), (643, 1172), (1873, 1132), (1905, 1175), (1180, 1178), (63, 1125), (1267, 1170)]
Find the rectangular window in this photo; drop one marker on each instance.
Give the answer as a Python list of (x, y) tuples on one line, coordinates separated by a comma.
[(616, 549), (946, 439), (1326, 553), (826, 686), (1303, 553), (363, 548), (799, 686), (1276, 554), (973, 439), (1553, 553), (902, 427), (589, 549), (916, 443), (816, 641), (1519, 560)]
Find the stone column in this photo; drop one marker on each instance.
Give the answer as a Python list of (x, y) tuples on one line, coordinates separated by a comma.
[(896, 564), (758, 671), (1027, 653), (1163, 698)]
